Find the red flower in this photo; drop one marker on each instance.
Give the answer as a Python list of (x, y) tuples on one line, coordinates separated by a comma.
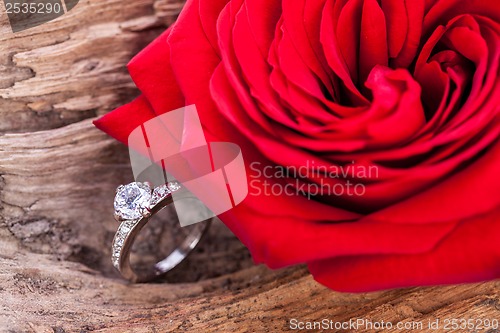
[(408, 87)]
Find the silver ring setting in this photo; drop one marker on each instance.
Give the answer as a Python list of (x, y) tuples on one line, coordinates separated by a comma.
[(135, 204)]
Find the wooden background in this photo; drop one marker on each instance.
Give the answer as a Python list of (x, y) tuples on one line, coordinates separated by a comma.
[(57, 180)]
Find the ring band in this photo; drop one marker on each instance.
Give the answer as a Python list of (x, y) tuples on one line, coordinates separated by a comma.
[(135, 205)]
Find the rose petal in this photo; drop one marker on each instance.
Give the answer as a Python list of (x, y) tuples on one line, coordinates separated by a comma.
[(372, 39), (301, 20), (479, 193), (347, 32), (263, 16), (397, 25), (407, 117), (415, 13), (128, 117), (193, 60), (249, 71), (208, 14), (282, 241), (445, 10), (153, 75), (469, 254), (334, 55)]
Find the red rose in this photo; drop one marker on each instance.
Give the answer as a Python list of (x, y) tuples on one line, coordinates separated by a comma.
[(408, 87)]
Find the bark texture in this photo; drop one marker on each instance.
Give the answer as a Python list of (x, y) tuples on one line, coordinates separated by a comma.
[(57, 180)]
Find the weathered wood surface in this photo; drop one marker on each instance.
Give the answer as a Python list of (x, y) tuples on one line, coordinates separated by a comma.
[(57, 181)]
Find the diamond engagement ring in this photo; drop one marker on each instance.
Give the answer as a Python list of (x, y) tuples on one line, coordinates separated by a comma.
[(135, 205)]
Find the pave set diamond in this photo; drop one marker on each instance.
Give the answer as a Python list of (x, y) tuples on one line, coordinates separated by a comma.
[(133, 202)]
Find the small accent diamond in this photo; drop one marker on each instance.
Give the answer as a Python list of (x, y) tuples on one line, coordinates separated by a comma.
[(121, 235), (174, 186), (162, 191), (116, 262), (116, 255), (124, 229), (119, 241), (128, 224), (159, 193)]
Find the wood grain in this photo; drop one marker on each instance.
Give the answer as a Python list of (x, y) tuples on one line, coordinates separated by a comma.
[(57, 180)]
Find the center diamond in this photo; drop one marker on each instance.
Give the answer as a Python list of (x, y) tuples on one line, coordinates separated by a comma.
[(131, 199)]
